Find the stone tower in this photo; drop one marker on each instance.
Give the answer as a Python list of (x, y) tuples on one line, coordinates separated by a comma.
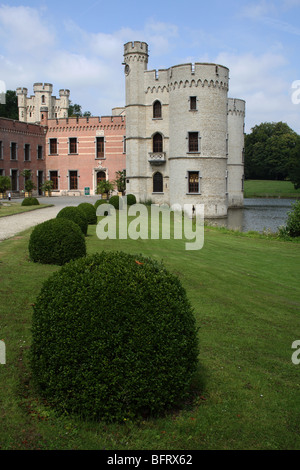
[(30, 107), (135, 61), (183, 141), (235, 162)]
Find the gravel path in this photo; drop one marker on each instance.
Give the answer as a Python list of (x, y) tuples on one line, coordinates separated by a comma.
[(14, 224)]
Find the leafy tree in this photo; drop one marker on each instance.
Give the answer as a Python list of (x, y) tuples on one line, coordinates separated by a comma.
[(268, 151), (75, 110), (294, 165), (10, 108)]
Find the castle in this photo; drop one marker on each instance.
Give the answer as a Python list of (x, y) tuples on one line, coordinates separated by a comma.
[(180, 137), (184, 136)]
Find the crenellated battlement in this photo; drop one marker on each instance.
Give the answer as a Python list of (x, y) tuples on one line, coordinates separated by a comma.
[(236, 106), (134, 47), (42, 87)]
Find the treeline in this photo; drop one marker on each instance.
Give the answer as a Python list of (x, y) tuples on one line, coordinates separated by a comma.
[(272, 151)]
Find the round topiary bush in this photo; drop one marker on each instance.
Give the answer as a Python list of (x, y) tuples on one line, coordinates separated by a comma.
[(89, 211), (76, 215), (115, 202), (131, 199), (30, 201), (99, 202), (56, 241), (114, 336)]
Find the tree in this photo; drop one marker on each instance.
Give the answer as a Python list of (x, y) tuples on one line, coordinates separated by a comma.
[(121, 181), (10, 109), (294, 165), (75, 110), (268, 150)]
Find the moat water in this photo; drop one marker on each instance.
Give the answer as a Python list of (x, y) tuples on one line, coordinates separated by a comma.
[(258, 214)]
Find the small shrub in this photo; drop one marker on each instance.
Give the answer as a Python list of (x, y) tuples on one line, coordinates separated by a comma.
[(30, 201), (293, 221), (131, 199), (76, 215), (90, 212), (109, 356), (99, 202), (115, 202), (56, 241)]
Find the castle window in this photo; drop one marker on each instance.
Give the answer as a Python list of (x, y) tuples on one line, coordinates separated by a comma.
[(193, 103), (40, 152), (157, 143), (43, 98), (1, 150), (157, 182), (14, 175), (27, 152), (53, 176), (156, 109), (101, 176), (193, 142), (73, 145), (124, 144), (52, 146), (13, 151), (99, 147), (193, 182), (73, 180)]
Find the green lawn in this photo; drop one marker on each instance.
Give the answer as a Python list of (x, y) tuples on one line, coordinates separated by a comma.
[(12, 208), (267, 188), (246, 296)]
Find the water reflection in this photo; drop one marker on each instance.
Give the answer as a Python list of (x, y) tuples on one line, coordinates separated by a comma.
[(257, 214)]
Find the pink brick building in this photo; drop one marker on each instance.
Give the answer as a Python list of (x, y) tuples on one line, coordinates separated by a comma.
[(82, 151), (22, 146)]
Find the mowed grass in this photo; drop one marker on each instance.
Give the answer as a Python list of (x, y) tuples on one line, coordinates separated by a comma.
[(12, 208), (246, 392), (268, 188)]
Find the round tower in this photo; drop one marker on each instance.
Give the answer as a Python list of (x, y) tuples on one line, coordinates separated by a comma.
[(235, 162), (64, 96), (22, 103), (135, 62), (198, 129)]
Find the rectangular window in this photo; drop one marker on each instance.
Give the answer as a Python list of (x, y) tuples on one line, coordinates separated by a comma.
[(193, 142), (13, 151), (53, 176), (14, 180), (26, 152), (124, 144), (1, 172), (99, 147), (73, 177), (40, 152), (53, 146), (73, 145), (193, 103), (1, 150), (193, 177)]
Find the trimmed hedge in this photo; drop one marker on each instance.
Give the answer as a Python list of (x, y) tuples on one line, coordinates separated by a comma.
[(115, 202), (30, 201), (99, 202), (114, 337), (89, 211), (76, 215), (293, 220), (131, 199), (56, 241)]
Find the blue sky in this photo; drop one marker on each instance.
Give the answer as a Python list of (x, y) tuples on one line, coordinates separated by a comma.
[(79, 45)]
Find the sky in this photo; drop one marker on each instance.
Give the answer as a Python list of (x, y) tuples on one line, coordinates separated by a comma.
[(79, 46)]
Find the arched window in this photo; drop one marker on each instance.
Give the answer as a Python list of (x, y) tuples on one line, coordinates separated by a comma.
[(157, 182), (157, 143), (157, 109), (43, 98), (101, 176)]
